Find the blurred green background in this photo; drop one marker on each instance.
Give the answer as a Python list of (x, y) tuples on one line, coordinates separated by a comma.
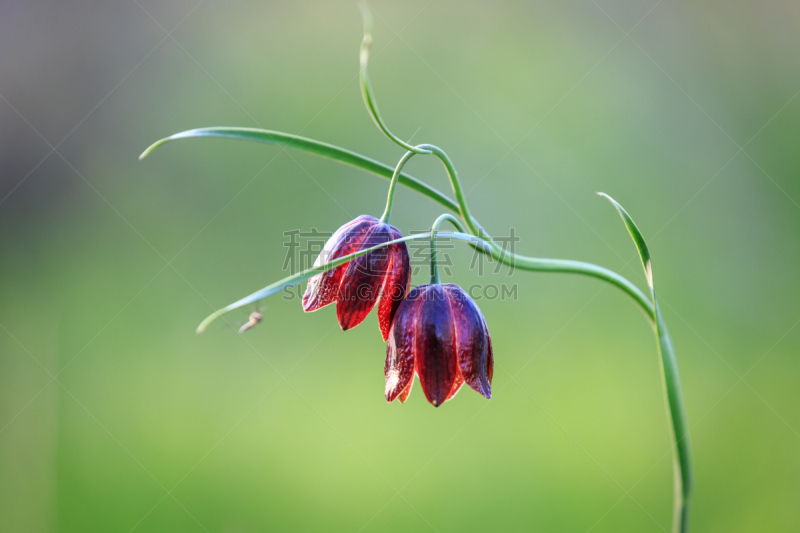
[(684, 112)]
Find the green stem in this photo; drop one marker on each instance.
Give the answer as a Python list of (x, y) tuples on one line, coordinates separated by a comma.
[(676, 412), (387, 213), (681, 452), (366, 86), (569, 266), (354, 159), (679, 429), (463, 210), (533, 263), (299, 277), (434, 231), (480, 240)]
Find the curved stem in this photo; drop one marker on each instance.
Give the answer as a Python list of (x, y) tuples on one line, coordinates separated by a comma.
[(354, 159), (533, 263), (387, 213), (679, 429), (474, 227), (299, 277), (434, 231), (671, 380), (676, 412), (366, 86), (569, 266)]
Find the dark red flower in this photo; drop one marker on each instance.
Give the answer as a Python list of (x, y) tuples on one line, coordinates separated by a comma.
[(439, 334), (381, 276)]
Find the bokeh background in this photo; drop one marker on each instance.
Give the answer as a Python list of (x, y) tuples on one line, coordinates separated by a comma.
[(116, 416)]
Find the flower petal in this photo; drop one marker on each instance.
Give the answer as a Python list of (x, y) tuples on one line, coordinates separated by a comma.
[(362, 281), (435, 345), (323, 288), (456, 387), (472, 343), (490, 359), (399, 366), (395, 284), (404, 395)]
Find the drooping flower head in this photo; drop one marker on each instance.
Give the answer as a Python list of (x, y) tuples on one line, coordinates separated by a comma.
[(439, 334), (381, 276)]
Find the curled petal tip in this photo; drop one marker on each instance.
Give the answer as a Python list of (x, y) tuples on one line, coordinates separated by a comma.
[(404, 395), (485, 390)]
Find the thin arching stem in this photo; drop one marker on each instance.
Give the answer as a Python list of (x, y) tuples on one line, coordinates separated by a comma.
[(535, 264), (342, 155), (299, 277), (474, 227), (434, 233), (387, 213), (366, 86), (486, 246), (480, 240)]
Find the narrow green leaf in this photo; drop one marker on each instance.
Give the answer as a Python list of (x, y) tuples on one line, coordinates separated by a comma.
[(315, 147), (532, 264), (636, 235), (294, 279), (672, 386)]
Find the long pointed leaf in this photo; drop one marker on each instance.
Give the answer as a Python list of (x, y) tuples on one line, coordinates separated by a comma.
[(294, 279), (310, 145), (672, 386)]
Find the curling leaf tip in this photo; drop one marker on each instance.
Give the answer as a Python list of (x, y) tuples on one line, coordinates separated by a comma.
[(636, 235), (153, 147)]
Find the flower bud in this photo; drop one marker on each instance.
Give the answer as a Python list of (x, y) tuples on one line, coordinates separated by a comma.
[(439, 334), (381, 276)]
